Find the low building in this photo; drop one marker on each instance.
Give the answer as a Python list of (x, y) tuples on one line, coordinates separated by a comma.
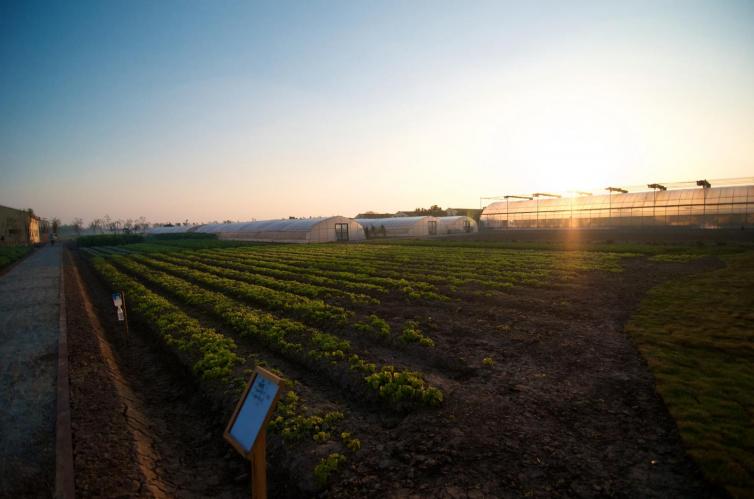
[(22, 227)]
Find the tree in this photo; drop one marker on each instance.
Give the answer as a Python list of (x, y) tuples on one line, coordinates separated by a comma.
[(141, 223), (433, 210), (107, 223), (96, 225), (55, 225), (77, 224)]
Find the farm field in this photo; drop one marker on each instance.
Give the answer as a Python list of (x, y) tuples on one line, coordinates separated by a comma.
[(451, 370)]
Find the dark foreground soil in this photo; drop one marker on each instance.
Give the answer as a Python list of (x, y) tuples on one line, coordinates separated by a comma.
[(567, 408)]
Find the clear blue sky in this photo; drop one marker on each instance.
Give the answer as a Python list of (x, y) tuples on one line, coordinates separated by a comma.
[(213, 110)]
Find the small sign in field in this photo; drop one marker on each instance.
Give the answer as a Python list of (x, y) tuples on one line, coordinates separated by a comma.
[(246, 430), (118, 302)]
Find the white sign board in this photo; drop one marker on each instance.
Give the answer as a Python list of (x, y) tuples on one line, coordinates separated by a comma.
[(118, 302), (253, 410)]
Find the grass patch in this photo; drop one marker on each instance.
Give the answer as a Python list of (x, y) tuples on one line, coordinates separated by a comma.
[(697, 335), (676, 258), (10, 254)]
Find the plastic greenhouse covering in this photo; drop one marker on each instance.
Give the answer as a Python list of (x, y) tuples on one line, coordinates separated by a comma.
[(710, 207), (178, 229), (321, 229), (456, 225), (400, 226)]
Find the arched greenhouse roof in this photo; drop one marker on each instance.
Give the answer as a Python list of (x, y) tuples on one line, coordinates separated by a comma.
[(453, 218), (393, 222), (178, 229), (282, 225)]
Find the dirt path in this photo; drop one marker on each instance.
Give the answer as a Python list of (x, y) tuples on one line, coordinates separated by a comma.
[(29, 329), (138, 430)]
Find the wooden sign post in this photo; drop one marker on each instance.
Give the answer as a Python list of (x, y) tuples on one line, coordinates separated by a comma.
[(246, 430)]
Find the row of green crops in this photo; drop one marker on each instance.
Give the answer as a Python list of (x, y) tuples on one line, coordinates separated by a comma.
[(428, 269), (213, 355), (371, 324), (213, 358), (296, 287), (356, 273), (300, 301), (293, 340), (311, 311), (283, 272)]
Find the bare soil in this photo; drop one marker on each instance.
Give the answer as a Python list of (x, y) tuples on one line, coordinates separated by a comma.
[(568, 407)]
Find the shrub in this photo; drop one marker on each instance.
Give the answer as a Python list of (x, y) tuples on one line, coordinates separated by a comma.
[(412, 334), (108, 240)]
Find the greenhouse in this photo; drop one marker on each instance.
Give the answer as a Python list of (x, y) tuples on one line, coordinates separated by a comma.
[(399, 226), (456, 225), (177, 229), (709, 207), (298, 230)]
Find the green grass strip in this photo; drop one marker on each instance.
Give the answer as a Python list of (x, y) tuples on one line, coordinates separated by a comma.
[(10, 254), (697, 335)]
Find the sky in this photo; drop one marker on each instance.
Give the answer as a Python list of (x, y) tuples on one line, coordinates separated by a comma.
[(215, 110)]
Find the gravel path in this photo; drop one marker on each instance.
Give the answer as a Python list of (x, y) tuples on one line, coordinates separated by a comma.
[(29, 329)]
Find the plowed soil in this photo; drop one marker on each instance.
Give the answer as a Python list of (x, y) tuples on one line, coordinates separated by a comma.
[(567, 408)]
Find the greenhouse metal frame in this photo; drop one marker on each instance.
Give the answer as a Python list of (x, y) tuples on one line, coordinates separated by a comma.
[(709, 207)]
